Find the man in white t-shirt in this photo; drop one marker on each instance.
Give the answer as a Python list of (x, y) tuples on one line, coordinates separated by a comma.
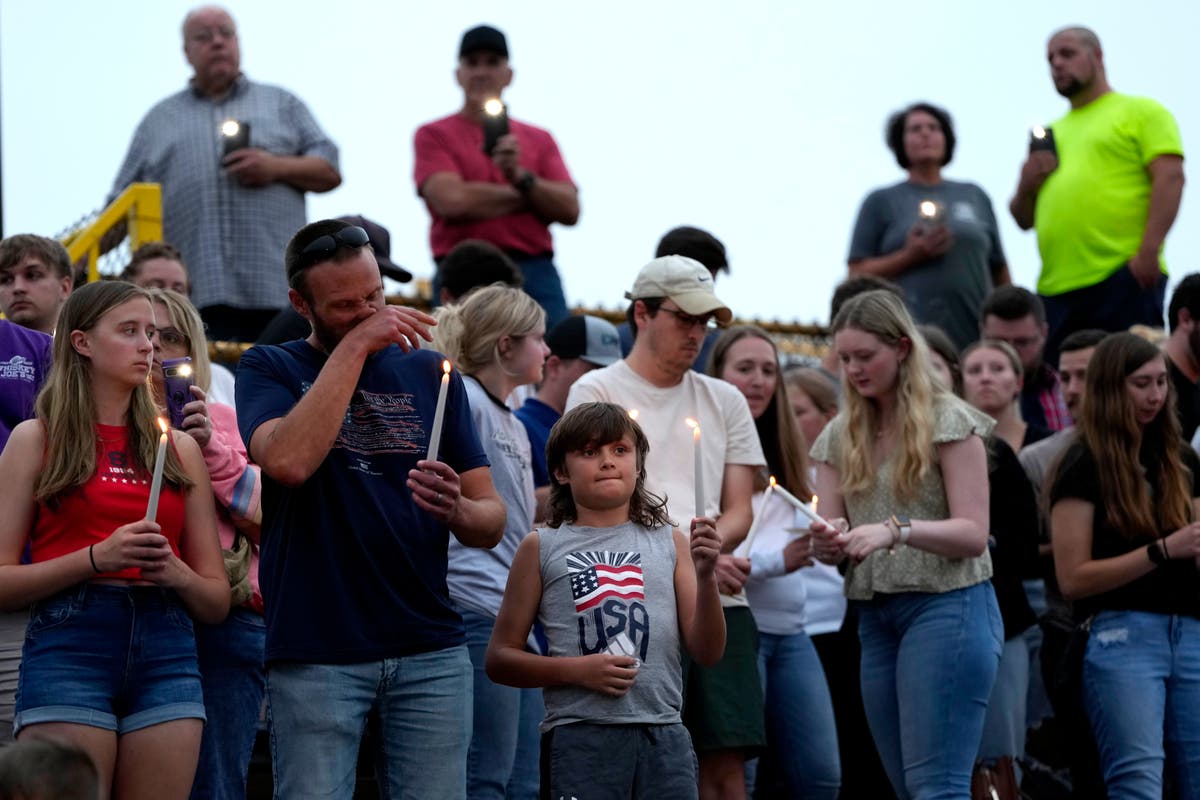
[(673, 306)]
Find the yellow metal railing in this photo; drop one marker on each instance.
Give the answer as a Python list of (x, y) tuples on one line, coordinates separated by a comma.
[(138, 209)]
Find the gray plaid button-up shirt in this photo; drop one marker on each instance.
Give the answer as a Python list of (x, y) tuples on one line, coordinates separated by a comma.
[(231, 236)]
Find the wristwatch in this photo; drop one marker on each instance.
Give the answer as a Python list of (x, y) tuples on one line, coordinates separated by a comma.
[(525, 183), (1157, 553), (903, 526)]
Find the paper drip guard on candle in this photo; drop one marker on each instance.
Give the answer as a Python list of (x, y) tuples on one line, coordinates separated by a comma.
[(156, 481), (435, 435), (699, 477)]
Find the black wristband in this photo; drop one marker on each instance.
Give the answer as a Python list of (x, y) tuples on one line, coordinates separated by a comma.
[(525, 183), (92, 557), (1157, 552)]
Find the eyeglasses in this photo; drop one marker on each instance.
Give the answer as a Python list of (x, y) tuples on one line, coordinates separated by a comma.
[(325, 246), (687, 321), (206, 35), (170, 337)]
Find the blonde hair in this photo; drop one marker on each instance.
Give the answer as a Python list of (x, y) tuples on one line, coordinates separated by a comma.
[(469, 332), (67, 407), (184, 316), (884, 316)]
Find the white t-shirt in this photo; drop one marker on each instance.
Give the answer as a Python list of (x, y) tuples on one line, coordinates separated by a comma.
[(727, 433)]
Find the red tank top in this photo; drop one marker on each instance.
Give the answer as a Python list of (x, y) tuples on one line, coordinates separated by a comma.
[(115, 495)]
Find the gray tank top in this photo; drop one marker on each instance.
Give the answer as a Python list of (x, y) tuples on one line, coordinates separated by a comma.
[(612, 590)]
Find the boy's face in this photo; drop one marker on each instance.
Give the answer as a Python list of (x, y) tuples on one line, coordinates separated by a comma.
[(601, 477)]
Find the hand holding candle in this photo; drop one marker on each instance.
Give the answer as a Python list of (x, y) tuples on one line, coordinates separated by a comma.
[(156, 481), (435, 435)]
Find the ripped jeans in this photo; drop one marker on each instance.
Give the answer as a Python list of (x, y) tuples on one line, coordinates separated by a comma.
[(1141, 688)]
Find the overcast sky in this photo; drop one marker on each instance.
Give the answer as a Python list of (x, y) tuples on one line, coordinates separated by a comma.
[(760, 121)]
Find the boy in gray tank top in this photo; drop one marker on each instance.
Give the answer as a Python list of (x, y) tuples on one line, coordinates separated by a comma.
[(617, 591)]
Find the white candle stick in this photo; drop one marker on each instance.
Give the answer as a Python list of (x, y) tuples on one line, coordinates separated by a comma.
[(748, 542), (435, 435), (800, 506), (698, 453), (156, 481)]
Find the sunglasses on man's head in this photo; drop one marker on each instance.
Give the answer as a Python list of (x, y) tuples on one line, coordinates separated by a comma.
[(327, 245)]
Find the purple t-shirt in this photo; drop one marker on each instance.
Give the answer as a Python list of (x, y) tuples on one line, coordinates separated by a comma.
[(24, 362)]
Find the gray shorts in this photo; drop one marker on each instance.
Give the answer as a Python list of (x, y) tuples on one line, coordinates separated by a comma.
[(582, 761)]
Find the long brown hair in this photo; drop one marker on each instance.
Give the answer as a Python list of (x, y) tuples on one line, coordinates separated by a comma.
[(1108, 427), (67, 407), (594, 425), (781, 439)]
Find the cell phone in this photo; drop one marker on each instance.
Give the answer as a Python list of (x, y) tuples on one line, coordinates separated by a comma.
[(931, 214), (177, 385), (1042, 139), (235, 135), (622, 645), (495, 124)]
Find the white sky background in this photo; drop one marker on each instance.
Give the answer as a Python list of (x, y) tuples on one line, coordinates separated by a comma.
[(760, 121)]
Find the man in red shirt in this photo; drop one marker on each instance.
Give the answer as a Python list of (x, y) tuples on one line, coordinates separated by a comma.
[(507, 197)]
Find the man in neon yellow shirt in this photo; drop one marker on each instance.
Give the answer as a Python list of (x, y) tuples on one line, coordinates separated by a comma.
[(1103, 203)]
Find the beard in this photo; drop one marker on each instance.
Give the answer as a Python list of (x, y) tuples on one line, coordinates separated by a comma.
[(326, 336), (1071, 89)]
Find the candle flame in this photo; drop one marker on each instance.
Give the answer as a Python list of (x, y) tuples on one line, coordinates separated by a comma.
[(633, 414), (446, 366), (814, 504), (162, 423), (691, 423), (772, 481)]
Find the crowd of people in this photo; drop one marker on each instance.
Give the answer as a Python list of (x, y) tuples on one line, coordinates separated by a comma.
[(528, 553)]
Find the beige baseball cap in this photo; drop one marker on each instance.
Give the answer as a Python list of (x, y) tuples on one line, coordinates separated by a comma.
[(687, 282)]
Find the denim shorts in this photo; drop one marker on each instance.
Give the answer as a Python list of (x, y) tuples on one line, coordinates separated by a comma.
[(119, 658)]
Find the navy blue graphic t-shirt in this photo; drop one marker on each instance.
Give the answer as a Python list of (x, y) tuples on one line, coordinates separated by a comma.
[(351, 569)]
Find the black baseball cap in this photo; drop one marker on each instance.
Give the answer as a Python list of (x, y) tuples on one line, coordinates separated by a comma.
[(381, 243), (483, 37)]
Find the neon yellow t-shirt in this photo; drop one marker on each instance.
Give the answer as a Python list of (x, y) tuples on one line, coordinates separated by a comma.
[(1092, 210)]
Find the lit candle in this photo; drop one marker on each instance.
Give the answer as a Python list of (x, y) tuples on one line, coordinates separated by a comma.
[(435, 436), (800, 506), (633, 414), (762, 508), (156, 482), (695, 426)]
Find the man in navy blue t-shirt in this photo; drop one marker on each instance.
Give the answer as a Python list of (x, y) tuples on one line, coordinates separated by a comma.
[(355, 529)]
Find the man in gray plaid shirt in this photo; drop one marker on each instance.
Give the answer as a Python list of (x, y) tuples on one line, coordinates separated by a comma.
[(233, 195)]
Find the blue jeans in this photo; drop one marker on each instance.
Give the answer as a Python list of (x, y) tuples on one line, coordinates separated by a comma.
[(1037, 702), (503, 761), (121, 658), (1004, 725), (801, 732), (234, 680), (928, 665), (317, 714), (1141, 684)]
